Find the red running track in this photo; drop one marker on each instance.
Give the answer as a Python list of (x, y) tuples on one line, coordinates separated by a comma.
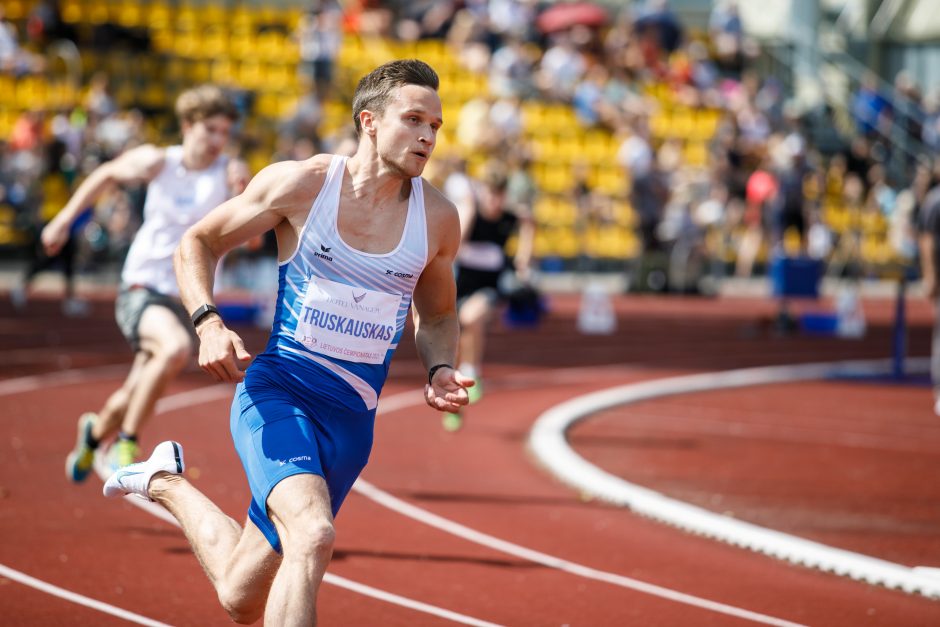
[(616, 568)]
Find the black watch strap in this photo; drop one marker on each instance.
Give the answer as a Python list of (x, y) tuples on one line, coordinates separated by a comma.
[(435, 369), (202, 312)]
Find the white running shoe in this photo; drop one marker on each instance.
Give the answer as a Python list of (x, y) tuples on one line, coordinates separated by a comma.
[(135, 479)]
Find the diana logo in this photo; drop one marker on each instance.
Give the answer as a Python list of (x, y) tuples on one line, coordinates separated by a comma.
[(359, 298)]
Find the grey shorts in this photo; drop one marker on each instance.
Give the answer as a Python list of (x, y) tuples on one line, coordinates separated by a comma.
[(134, 300)]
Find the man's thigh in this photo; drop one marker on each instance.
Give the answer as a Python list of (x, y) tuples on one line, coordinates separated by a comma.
[(160, 329), (302, 497), (252, 566)]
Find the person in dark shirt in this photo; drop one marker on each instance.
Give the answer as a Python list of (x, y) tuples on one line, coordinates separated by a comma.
[(928, 223), (486, 224)]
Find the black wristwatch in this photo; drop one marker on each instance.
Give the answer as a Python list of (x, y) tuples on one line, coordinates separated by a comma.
[(435, 369), (202, 312)]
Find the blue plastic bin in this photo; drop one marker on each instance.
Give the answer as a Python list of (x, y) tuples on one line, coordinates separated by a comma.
[(795, 276)]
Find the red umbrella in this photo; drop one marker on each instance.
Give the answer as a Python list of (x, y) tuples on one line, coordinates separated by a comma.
[(564, 15)]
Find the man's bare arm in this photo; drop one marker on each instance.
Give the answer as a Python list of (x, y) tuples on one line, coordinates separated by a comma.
[(141, 164), (928, 268), (266, 203), (436, 327)]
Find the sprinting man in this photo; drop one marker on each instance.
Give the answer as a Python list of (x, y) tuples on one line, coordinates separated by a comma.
[(487, 221), (361, 239), (185, 182)]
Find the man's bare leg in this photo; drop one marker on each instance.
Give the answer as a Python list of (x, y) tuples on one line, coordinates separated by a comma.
[(474, 315), (111, 415), (239, 562), (299, 506), (170, 347)]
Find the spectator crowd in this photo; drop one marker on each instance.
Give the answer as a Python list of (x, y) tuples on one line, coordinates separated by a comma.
[(765, 183)]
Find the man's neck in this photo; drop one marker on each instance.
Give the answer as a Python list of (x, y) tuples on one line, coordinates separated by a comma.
[(191, 161), (372, 181)]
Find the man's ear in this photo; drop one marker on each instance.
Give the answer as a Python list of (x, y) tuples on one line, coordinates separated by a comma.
[(367, 121)]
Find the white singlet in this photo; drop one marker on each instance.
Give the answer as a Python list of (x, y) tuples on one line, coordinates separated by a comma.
[(176, 199)]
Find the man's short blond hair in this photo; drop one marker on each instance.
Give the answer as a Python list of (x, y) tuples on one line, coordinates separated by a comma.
[(205, 101)]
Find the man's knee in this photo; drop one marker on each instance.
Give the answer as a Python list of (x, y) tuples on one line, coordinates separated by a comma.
[(119, 400), (241, 608), (175, 353), (311, 539)]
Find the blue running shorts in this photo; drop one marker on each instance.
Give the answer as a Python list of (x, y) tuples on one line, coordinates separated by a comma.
[(278, 434)]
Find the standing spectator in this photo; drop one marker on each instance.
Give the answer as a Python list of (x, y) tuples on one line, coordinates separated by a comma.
[(64, 260), (13, 59), (760, 194), (790, 210), (561, 68), (727, 33), (319, 36), (869, 106), (648, 191), (929, 240)]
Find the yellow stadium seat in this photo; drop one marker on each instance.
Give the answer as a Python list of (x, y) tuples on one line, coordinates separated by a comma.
[(71, 11), (130, 14), (98, 13), (223, 71), (695, 153)]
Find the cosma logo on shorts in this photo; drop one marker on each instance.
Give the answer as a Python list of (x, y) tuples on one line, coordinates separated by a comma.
[(299, 458)]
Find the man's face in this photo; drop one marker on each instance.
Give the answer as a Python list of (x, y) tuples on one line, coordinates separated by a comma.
[(406, 132), (207, 138)]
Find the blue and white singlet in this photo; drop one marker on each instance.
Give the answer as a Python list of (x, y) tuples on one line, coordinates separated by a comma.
[(340, 311)]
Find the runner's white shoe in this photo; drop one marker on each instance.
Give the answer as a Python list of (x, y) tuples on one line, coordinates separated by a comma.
[(135, 479)]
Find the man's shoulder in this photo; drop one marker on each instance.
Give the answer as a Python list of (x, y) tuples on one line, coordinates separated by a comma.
[(294, 180), (435, 201), (143, 153), (315, 166)]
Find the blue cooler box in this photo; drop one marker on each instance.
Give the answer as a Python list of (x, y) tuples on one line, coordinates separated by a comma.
[(795, 276)]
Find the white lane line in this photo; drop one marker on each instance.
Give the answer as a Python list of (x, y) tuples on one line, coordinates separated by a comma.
[(550, 446), (395, 599), (392, 403), (79, 599), (409, 399), (342, 582), (413, 398), (421, 515), (404, 400)]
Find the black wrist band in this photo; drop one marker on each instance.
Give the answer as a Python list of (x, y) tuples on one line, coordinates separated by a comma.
[(435, 369), (202, 312)]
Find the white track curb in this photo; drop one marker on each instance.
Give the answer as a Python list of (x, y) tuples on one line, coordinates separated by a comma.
[(549, 444)]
